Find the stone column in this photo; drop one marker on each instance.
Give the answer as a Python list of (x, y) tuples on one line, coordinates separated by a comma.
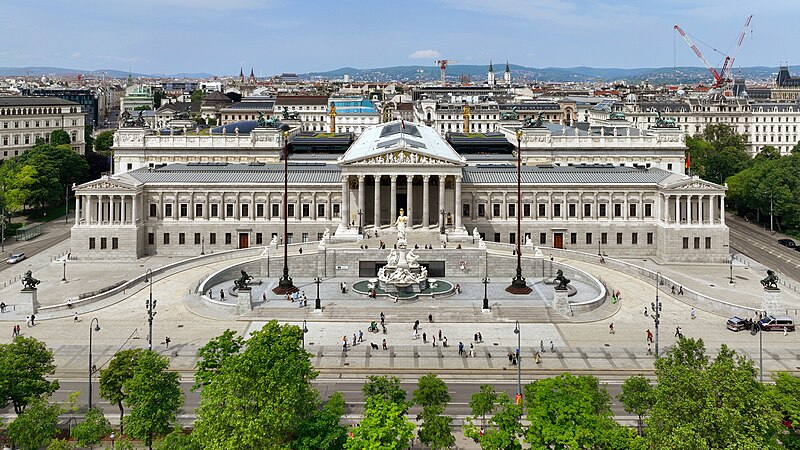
[(458, 201), (688, 199), (677, 209), (134, 208), (442, 180), (711, 210), (237, 212), (721, 209), (625, 209), (504, 208), (377, 207), (409, 198), (362, 199), (78, 211), (88, 213), (345, 202), (191, 206), (425, 201), (328, 207), (393, 199)]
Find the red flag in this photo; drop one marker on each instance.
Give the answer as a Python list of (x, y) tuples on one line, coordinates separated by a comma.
[(689, 160)]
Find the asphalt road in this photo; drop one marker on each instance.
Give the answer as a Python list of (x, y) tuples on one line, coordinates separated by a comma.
[(760, 245), (34, 246)]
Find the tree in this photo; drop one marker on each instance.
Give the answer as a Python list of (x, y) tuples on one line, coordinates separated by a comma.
[(435, 430), (718, 153), (36, 426), (112, 379), (433, 396), (60, 444), (322, 428), (93, 429), (197, 95), (259, 396), (60, 137), (785, 398), (103, 142), (703, 404), (154, 396), (504, 429), (483, 402), (214, 354), (24, 364), (431, 393), (177, 440), (384, 426), (388, 388), (573, 412), (637, 397), (158, 96), (767, 152)]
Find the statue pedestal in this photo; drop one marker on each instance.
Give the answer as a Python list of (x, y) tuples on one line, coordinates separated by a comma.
[(560, 302), (538, 262), (772, 302), (26, 302), (244, 301)]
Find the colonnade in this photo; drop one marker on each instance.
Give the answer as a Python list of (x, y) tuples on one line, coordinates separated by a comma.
[(699, 209), (106, 209)]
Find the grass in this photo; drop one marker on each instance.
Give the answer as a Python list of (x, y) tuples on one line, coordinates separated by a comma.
[(46, 214), (324, 135), (475, 135)]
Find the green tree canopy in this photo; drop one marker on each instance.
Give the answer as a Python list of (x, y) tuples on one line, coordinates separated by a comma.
[(504, 426), (388, 388), (258, 397), (214, 354), (112, 379), (483, 402), (703, 404), (384, 427), (93, 428), (433, 396), (103, 142), (60, 137), (322, 429), (718, 153), (785, 396), (431, 393), (637, 397), (24, 364), (197, 95), (36, 426), (177, 440), (154, 396)]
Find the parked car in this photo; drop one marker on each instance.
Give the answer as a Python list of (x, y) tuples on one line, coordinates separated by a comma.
[(736, 323), (15, 258), (787, 243), (778, 323)]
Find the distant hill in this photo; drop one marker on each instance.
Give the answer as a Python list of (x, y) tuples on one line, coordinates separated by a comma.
[(112, 73)]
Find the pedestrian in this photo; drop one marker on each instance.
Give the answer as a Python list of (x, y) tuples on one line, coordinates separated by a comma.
[(33, 318), (300, 250), (785, 331), (210, 293), (471, 351), (440, 335), (645, 311), (27, 321), (475, 337), (430, 318), (444, 342), (538, 358), (458, 288), (541, 346), (382, 317), (480, 337), (434, 341), (649, 336), (222, 295), (461, 349), (75, 318), (360, 336), (305, 302), (344, 343), (264, 297), (678, 333), (649, 349), (552, 347), (167, 340), (414, 333), (416, 324), (680, 290), (299, 303), (510, 358), (611, 328), (3, 306), (13, 332), (385, 347), (673, 289), (693, 314), (424, 338)]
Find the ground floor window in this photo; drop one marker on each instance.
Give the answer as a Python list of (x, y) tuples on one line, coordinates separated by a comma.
[(114, 243), (228, 238), (543, 238), (212, 238), (91, 243)]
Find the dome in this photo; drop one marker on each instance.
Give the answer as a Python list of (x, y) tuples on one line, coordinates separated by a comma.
[(631, 98), (680, 93)]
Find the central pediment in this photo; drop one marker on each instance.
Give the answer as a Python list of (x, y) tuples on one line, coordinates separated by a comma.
[(402, 158), (398, 143)]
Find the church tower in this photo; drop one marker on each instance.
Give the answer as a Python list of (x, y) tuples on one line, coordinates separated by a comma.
[(241, 75), (490, 76), (252, 76), (507, 75)]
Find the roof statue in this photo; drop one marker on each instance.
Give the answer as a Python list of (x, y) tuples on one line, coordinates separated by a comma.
[(614, 115), (771, 282), (139, 122), (294, 115), (261, 121), (183, 115), (511, 115), (665, 122), (534, 123)]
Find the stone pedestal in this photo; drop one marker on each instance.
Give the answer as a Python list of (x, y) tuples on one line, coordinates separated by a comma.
[(27, 302), (244, 301), (538, 262), (560, 302), (772, 302)]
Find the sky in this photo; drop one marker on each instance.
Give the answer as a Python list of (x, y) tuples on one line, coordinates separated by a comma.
[(275, 36)]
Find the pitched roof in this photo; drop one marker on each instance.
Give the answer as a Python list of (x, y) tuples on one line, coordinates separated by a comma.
[(389, 137), (321, 100), (568, 175), (255, 172), (35, 101)]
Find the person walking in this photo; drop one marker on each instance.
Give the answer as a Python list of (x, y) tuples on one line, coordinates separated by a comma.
[(360, 336), (383, 318), (541, 346), (480, 337), (75, 318), (430, 318), (552, 347), (167, 340), (471, 351), (649, 349), (440, 335), (33, 318), (649, 335), (611, 328), (385, 347), (444, 342), (645, 311), (694, 316), (434, 341), (461, 348), (354, 340), (344, 343), (424, 338), (538, 358), (416, 324)]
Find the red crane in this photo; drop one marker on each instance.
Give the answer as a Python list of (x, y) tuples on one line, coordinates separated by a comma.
[(442, 63), (720, 78)]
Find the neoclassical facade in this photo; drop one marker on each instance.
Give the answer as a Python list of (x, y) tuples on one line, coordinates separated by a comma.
[(185, 208)]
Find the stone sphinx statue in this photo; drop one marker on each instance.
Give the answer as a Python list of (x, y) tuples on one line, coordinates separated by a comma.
[(241, 283), (561, 280), (770, 283), (475, 234), (29, 282)]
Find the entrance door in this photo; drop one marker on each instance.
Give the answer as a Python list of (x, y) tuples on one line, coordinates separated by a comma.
[(244, 240), (558, 240), (401, 204)]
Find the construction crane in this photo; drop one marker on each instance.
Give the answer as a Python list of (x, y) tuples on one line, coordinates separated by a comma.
[(443, 63), (720, 78)]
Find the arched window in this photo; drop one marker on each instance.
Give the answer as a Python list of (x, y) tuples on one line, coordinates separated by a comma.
[(74, 136)]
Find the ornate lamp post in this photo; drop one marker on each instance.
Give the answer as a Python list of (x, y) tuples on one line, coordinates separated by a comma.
[(441, 228), (485, 282), (656, 310), (64, 273), (203, 245), (317, 281), (360, 224), (151, 305), (96, 327), (518, 284), (517, 331), (285, 284), (305, 330), (730, 281)]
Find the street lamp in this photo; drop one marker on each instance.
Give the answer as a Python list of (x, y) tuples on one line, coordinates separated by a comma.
[(656, 309), (317, 305), (518, 284), (151, 305), (731, 266), (96, 327), (519, 363), (305, 330), (66, 205), (203, 245), (485, 282), (64, 273), (441, 228), (360, 225), (285, 284)]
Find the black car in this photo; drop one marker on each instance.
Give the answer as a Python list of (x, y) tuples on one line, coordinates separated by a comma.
[(787, 243)]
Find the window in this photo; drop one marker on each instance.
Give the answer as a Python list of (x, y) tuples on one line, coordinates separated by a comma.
[(198, 210), (275, 210), (91, 243), (708, 242), (571, 209), (649, 238), (114, 243), (619, 238), (153, 210), (181, 238), (602, 212), (573, 238), (291, 210), (168, 210), (632, 210), (228, 238), (245, 210), (481, 209), (290, 238), (685, 242), (259, 238), (512, 210), (196, 238), (228, 210), (166, 238), (587, 210), (617, 210), (648, 210), (215, 210), (320, 210), (669, 166), (634, 238), (557, 210), (495, 210), (512, 238), (212, 238), (542, 208), (497, 237), (184, 210), (151, 239), (465, 210), (588, 238), (304, 237), (337, 210), (697, 242), (306, 209), (543, 238), (604, 238), (526, 210)]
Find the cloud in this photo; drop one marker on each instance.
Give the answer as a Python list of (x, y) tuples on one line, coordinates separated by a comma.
[(425, 54)]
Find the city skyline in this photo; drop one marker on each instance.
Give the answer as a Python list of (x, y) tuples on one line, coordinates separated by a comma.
[(279, 36)]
